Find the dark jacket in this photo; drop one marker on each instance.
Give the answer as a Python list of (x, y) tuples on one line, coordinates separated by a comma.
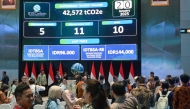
[(125, 102), (5, 79)]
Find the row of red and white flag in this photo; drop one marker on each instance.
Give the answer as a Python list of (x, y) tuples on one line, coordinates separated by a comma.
[(50, 74), (51, 78), (111, 74)]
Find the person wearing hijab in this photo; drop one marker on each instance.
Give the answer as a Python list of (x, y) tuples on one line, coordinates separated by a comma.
[(53, 95)]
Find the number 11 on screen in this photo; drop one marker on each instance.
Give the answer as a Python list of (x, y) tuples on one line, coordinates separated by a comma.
[(79, 31)]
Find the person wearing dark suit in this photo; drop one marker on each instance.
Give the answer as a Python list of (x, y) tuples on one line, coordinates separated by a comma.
[(8, 2), (5, 78)]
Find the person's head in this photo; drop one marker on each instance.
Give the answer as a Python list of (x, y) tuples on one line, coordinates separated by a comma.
[(125, 82), (165, 86), (151, 79), (64, 81), (84, 78), (158, 83), (85, 73), (176, 79), (54, 92), (167, 77), (115, 78), (42, 72), (135, 78), (102, 77), (184, 78), (140, 80), (65, 74), (57, 72), (32, 81), (4, 73), (95, 94), (152, 74), (4, 88), (79, 78), (15, 82), (24, 79), (24, 96), (171, 80), (128, 81), (118, 89), (156, 78)]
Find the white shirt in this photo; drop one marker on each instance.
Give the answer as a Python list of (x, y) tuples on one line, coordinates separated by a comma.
[(63, 86), (38, 88)]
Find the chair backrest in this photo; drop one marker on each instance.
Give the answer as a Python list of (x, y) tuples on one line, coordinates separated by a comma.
[(58, 101), (13, 104), (13, 99), (39, 107), (5, 106), (109, 101), (62, 104), (44, 103)]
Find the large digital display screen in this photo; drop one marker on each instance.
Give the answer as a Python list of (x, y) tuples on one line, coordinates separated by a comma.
[(80, 30)]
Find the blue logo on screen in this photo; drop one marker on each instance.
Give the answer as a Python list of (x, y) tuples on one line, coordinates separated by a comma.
[(37, 12), (36, 8)]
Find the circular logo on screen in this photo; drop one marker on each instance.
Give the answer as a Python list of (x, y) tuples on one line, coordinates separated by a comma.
[(77, 68), (37, 8)]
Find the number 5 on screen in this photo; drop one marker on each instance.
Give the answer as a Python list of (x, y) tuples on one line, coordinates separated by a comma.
[(126, 4), (42, 31)]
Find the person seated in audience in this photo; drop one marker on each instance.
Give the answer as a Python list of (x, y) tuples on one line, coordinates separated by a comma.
[(34, 87), (24, 97), (13, 86), (53, 95), (24, 80), (3, 98), (123, 100), (71, 100), (165, 92), (94, 96)]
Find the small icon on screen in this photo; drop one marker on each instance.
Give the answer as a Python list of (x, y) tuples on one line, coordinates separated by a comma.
[(37, 8)]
